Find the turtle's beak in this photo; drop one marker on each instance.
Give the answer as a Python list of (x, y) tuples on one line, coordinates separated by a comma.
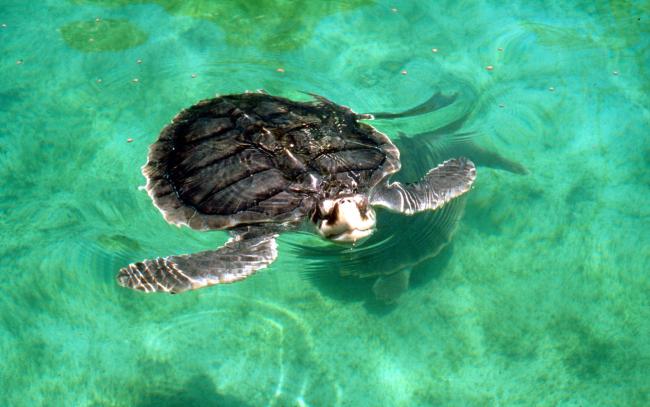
[(348, 220)]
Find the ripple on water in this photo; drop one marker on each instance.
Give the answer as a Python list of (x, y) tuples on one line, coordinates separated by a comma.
[(250, 349)]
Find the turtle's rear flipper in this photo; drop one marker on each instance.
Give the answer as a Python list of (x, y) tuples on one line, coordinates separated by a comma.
[(435, 102), (240, 257), (389, 288), (487, 158), (441, 145)]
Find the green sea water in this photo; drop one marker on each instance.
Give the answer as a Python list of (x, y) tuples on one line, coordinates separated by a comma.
[(541, 299)]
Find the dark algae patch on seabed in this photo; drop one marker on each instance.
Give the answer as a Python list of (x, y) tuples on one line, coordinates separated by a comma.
[(271, 25), (102, 35)]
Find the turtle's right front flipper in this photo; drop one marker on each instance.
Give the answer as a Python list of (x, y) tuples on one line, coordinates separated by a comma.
[(239, 258), (435, 102), (440, 185)]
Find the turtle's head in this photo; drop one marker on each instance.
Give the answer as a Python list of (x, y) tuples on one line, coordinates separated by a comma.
[(346, 219)]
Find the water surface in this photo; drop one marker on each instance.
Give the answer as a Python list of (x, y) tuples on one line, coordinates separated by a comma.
[(541, 299)]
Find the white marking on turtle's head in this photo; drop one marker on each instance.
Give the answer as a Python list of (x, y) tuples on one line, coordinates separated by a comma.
[(346, 219)]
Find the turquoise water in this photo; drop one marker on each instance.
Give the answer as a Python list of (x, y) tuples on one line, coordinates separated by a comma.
[(541, 299)]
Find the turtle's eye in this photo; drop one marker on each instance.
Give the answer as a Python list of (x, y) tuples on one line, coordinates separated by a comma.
[(363, 208), (316, 216), (333, 215), (325, 213)]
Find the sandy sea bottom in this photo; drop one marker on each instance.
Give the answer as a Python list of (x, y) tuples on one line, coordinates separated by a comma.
[(541, 299)]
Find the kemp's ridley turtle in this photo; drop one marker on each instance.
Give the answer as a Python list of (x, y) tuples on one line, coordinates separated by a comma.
[(258, 165)]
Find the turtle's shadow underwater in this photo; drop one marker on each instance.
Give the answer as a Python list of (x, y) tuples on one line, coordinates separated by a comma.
[(197, 391), (405, 252), (331, 282)]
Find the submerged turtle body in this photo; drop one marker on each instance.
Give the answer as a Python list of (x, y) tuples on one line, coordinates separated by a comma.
[(254, 158), (258, 165)]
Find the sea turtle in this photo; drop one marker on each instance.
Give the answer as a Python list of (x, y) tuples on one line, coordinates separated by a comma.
[(258, 165)]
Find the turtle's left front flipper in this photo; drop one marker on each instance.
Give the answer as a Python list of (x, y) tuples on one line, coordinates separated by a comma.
[(442, 184), (239, 258)]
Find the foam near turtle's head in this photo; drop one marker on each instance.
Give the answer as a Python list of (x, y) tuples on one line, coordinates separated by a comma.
[(347, 219)]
